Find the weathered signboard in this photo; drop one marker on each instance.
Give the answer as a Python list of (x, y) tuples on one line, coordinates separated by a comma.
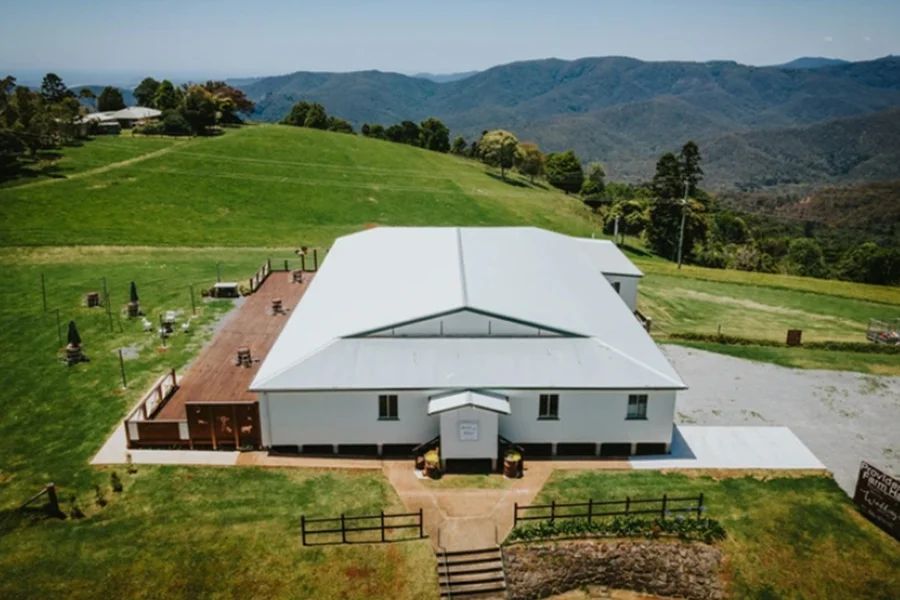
[(468, 431), (878, 498)]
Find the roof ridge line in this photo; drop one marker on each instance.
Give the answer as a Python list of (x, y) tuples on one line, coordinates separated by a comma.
[(637, 361), (293, 364), (462, 267)]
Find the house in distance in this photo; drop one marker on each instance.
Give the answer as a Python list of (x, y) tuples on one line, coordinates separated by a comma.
[(409, 333)]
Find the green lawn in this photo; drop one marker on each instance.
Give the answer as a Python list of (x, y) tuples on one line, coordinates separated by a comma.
[(97, 153), (807, 358), (272, 185), (173, 532), (788, 537)]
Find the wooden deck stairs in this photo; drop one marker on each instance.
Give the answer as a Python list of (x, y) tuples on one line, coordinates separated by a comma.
[(471, 573)]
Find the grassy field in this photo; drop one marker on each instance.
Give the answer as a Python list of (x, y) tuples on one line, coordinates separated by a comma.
[(271, 185), (763, 306), (788, 537), (173, 532)]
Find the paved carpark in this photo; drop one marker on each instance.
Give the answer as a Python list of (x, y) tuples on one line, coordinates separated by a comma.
[(842, 417)]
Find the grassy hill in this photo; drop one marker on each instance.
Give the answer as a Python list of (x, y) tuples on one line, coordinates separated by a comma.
[(265, 186), (172, 215), (621, 111)]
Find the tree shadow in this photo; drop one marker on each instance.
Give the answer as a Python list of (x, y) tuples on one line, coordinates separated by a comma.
[(507, 181), (635, 250)]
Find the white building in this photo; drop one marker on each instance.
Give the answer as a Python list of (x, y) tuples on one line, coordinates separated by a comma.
[(406, 334)]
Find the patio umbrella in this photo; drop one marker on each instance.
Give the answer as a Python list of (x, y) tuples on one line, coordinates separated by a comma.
[(74, 338), (133, 296)]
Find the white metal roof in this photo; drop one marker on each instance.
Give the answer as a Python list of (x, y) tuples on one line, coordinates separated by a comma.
[(609, 258), (98, 116), (388, 275), (492, 402), (136, 113)]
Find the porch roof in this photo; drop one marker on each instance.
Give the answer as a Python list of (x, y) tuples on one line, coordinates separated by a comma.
[(492, 402)]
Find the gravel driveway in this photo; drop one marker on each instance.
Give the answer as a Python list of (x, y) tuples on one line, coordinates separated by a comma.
[(843, 417)]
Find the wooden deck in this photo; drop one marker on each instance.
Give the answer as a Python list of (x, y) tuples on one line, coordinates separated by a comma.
[(214, 375)]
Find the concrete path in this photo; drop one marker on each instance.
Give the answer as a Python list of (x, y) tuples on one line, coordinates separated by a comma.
[(700, 447), (842, 417), (465, 518)]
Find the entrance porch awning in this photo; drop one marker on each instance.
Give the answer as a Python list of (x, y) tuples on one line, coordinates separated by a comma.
[(492, 402)]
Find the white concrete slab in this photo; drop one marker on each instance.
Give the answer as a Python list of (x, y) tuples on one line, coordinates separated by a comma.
[(115, 452), (699, 447)]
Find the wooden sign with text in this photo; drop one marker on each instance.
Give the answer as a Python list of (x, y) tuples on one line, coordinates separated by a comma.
[(878, 497)]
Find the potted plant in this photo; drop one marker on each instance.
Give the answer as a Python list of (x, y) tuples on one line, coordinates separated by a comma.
[(512, 464), (432, 464)]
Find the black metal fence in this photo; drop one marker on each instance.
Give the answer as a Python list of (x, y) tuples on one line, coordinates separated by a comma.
[(661, 507), (361, 529)]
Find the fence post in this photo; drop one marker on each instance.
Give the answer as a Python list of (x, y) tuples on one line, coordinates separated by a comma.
[(553, 511), (53, 499), (627, 504), (286, 265), (515, 513), (303, 262), (315, 259), (421, 525), (590, 510), (662, 512), (193, 305), (343, 530), (303, 529), (699, 505), (382, 526)]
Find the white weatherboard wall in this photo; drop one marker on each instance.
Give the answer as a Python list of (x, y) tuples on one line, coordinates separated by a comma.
[(588, 416), (585, 416), (628, 288), (468, 422), (343, 418)]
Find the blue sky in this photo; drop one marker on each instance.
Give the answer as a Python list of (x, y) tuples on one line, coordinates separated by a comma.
[(264, 37)]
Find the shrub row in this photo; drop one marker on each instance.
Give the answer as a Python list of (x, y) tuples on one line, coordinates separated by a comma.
[(685, 528), (733, 340)]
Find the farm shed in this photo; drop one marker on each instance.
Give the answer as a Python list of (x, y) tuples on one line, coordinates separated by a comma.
[(473, 335)]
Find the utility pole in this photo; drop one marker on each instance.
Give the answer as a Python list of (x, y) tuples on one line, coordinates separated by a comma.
[(681, 230)]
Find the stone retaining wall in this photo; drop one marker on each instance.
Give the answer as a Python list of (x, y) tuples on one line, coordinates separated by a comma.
[(684, 570)]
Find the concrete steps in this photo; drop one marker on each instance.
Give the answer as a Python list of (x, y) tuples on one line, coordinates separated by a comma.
[(471, 573)]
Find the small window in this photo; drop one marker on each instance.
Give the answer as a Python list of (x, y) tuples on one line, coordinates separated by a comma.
[(549, 406), (617, 285), (637, 406), (387, 407)]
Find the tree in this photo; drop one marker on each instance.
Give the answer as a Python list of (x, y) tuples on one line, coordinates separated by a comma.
[(53, 89), (167, 97), (689, 162), (199, 109), (668, 182), (870, 263), (498, 148), (434, 135), (664, 224), (373, 131), (731, 229), (88, 94), (297, 116), (804, 257), (145, 92), (405, 132), (594, 185), (339, 125), (110, 99), (229, 100), (174, 123), (316, 117), (529, 160), (459, 146), (564, 171)]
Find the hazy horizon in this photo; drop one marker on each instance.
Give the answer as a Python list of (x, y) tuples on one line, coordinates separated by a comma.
[(204, 39)]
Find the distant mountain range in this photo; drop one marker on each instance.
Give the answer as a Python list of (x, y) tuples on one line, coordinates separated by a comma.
[(756, 126)]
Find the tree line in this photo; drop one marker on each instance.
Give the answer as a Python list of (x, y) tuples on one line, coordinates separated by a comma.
[(44, 119)]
